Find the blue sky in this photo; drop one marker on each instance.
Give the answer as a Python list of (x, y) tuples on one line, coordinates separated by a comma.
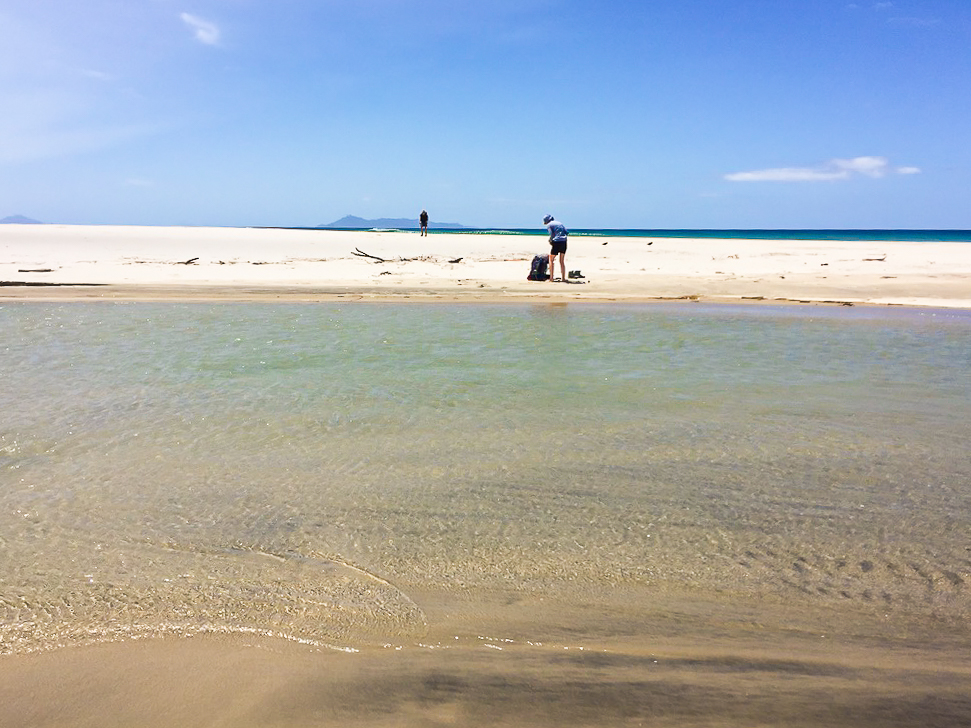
[(656, 113)]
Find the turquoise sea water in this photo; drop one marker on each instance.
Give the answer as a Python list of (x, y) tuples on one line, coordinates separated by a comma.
[(302, 471), (952, 236)]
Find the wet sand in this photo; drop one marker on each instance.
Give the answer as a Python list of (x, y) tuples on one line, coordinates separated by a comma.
[(682, 660)]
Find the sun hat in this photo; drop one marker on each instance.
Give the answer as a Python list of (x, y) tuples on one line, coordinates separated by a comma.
[(547, 219)]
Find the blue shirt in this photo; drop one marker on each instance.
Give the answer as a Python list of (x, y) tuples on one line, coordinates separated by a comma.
[(558, 232)]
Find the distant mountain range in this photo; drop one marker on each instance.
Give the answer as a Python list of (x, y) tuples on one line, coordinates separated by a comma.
[(397, 223), (349, 221)]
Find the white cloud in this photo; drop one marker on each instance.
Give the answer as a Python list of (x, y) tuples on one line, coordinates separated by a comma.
[(835, 169), (869, 166), (204, 31), (786, 174)]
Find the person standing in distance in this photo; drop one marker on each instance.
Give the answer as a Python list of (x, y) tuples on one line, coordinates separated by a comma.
[(423, 219), (558, 235)]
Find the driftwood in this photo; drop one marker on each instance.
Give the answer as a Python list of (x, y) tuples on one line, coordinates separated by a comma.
[(878, 260), (457, 260), (190, 261), (361, 254), (46, 284)]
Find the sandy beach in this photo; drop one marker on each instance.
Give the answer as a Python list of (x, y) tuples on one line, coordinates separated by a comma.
[(63, 262), (337, 515)]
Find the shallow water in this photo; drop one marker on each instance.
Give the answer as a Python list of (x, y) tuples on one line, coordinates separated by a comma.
[(309, 472)]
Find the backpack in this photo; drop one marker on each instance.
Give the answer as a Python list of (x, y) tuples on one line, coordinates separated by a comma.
[(537, 271)]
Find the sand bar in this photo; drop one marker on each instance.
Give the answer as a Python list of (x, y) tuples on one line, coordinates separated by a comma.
[(68, 262)]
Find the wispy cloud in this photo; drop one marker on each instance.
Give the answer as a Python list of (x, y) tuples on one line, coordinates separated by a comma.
[(30, 145), (896, 20), (50, 124), (204, 31), (873, 6), (97, 75), (835, 169), (914, 22)]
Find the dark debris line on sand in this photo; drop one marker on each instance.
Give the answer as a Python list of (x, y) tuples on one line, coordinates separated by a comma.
[(12, 284)]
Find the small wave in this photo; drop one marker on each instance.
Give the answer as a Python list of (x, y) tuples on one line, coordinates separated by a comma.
[(499, 232), (83, 636), (183, 590)]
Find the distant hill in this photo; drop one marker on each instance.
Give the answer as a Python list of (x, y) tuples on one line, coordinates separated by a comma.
[(19, 220), (397, 223)]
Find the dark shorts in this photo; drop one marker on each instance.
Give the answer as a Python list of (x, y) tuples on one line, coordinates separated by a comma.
[(557, 247)]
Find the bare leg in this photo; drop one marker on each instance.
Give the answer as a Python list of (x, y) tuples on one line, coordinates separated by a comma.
[(552, 259), (563, 267)]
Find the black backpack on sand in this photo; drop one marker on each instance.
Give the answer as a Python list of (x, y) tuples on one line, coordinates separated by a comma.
[(537, 271)]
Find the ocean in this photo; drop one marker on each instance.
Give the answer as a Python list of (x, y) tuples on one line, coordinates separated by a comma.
[(310, 474), (948, 236)]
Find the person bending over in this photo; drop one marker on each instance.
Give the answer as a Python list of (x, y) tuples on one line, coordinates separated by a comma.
[(558, 235)]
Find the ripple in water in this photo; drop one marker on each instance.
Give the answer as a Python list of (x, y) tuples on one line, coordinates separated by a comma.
[(297, 471)]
